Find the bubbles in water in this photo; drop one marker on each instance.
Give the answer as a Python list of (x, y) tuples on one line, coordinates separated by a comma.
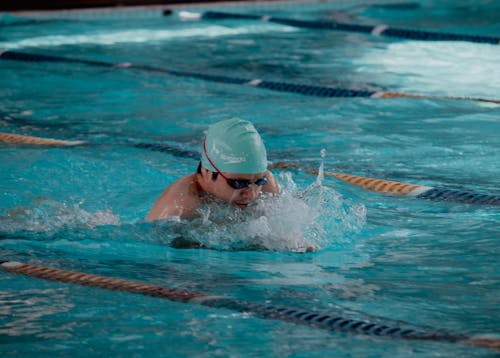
[(106, 38), (419, 67), (296, 220), (46, 215)]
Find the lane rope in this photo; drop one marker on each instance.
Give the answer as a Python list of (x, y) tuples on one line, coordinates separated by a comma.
[(30, 140), (302, 89), (377, 30), (312, 319), (381, 186), (395, 188)]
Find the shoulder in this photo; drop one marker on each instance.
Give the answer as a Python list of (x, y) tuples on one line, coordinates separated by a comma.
[(178, 199), (186, 184), (181, 189)]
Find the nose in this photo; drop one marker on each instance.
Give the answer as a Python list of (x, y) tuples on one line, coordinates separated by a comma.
[(251, 192)]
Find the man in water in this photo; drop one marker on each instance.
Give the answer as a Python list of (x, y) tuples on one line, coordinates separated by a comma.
[(233, 168)]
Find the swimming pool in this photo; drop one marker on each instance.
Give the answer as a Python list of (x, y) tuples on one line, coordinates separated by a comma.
[(395, 261)]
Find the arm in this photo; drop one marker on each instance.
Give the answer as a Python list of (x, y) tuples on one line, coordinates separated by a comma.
[(272, 185)]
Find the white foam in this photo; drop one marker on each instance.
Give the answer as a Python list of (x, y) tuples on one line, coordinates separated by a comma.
[(139, 36), (295, 221), (435, 68), (46, 215)]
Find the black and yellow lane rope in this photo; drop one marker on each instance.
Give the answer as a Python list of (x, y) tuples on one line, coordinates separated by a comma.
[(387, 187), (330, 322)]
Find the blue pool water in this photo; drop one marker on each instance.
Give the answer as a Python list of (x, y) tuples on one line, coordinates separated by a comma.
[(397, 261)]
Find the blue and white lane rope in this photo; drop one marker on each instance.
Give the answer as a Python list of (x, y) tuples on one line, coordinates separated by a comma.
[(307, 90), (387, 187), (378, 30), (287, 314)]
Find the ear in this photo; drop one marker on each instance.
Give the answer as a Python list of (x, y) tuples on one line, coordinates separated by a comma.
[(204, 173)]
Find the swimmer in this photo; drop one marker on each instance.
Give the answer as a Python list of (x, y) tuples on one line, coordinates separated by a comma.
[(233, 168)]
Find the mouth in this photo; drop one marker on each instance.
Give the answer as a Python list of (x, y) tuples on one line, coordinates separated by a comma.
[(241, 205)]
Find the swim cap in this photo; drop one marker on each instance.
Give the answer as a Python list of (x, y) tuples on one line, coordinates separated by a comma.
[(234, 146)]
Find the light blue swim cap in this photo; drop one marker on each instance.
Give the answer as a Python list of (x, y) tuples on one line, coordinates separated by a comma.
[(234, 146)]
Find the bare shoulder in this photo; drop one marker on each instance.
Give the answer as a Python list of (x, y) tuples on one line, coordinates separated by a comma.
[(181, 198), (272, 185)]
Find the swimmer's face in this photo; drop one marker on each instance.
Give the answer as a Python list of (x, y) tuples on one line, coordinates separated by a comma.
[(238, 197)]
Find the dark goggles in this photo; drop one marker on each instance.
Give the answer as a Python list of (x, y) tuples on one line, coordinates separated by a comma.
[(239, 184)]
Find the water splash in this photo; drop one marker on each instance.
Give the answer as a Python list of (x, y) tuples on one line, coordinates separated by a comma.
[(49, 216), (296, 220), (108, 38), (470, 69), (321, 170)]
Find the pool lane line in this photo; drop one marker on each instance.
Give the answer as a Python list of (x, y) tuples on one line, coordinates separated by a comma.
[(377, 30), (286, 314), (395, 188), (387, 187), (30, 140), (303, 89), (50, 142)]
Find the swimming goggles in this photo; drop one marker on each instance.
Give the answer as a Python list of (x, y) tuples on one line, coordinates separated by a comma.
[(236, 184)]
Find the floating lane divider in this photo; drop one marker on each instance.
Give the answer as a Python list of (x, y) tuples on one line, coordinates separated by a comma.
[(303, 89), (395, 188), (378, 30), (24, 139), (387, 187), (297, 316), (39, 141), (419, 191)]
